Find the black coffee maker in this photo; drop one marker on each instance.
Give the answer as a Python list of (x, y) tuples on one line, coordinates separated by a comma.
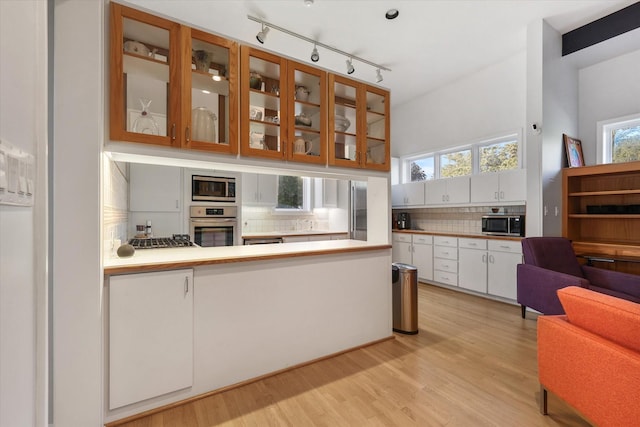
[(404, 221)]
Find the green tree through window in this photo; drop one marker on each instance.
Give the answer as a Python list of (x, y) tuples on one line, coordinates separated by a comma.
[(626, 145), (455, 164), (290, 192), (499, 157)]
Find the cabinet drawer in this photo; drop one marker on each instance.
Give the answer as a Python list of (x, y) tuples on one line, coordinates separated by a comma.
[(472, 243), (445, 241), (422, 240), (398, 237), (445, 252), (505, 246), (446, 277), (447, 265)]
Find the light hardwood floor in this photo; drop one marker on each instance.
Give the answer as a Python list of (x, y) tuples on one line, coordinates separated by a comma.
[(473, 363)]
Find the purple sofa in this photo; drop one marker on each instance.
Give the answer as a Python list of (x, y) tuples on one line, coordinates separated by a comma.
[(551, 264)]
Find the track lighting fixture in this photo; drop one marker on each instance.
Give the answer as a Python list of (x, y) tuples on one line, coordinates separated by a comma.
[(315, 57), (350, 68), (262, 35)]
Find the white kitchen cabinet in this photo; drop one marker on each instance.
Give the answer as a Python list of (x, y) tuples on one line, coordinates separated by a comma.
[(326, 193), (447, 191), (416, 250), (154, 188), (401, 248), (293, 239), (259, 189), (510, 186), (445, 260), (422, 255), (150, 335), (503, 257), (408, 194), (472, 260)]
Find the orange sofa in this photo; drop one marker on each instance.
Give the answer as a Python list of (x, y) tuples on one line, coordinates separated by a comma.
[(590, 357)]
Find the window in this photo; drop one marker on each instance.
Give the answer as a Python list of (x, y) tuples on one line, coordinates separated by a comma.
[(293, 193), (456, 163), (422, 169), (498, 156), (619, 140), (487, 155)]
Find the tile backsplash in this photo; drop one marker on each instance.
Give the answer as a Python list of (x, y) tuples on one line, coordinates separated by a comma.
[(116, 204), (467, 220), (264, 219)]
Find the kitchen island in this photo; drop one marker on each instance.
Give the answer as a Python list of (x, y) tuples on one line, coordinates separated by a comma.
[(244, 312)]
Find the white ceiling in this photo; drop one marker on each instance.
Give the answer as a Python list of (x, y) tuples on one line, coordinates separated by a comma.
[(430, 44)]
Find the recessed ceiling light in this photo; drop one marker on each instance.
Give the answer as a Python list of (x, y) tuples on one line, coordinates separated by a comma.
[(392, 14), (308, 3)]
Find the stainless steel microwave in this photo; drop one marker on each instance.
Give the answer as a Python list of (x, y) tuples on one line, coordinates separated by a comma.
[(503, 225), (213, 189)]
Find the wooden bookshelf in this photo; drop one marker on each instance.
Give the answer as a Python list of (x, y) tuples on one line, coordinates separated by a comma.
[(602, 213)]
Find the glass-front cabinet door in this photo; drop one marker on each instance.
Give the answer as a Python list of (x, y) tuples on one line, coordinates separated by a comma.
[(358, 125), (145, 78), (343, 122), (262, 82), (376, 141), (210, 108), (307, 114)]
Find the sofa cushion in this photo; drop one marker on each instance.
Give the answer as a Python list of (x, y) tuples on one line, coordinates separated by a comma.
[(613, 318)]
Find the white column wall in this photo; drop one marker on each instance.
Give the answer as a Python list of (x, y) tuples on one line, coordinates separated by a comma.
[(23, 123), (77, 275)]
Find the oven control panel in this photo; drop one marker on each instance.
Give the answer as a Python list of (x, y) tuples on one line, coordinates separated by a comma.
[(214, 211)]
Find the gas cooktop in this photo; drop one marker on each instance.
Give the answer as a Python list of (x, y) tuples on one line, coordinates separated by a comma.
[(176, 241)]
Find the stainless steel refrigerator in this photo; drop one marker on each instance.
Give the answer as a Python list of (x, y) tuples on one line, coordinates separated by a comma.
[(358, 210)]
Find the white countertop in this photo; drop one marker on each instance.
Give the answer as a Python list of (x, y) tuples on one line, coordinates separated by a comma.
[(150, 259)]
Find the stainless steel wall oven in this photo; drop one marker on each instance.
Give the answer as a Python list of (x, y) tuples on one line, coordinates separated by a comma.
[(213, 226)]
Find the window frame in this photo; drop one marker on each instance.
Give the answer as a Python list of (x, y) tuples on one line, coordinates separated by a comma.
[(474, 146), (604, 144), (307, 197)]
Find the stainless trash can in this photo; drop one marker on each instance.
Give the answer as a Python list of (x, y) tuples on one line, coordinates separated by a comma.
[(404, 298)]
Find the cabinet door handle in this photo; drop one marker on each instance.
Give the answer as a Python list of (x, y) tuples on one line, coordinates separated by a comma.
[(484, 258), (495, 195), (177, 204), (187, 134), (491, 259), (173, 132), (186, 285), (502, 194)]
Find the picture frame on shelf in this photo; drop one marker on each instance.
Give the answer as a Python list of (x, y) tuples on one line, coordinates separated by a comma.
[(573, 148)]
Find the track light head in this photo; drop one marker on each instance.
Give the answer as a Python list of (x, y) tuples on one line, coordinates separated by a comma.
[(378, 76), (262, 34), (350, 68), (315, 57)]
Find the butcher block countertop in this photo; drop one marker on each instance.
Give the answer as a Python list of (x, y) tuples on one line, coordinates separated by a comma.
[(463, 235), (145, 260)]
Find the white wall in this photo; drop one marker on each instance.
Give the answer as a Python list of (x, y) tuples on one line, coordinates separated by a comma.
[(23, 286), (607, 90), (560, 115), (484, 104), (79, 105)]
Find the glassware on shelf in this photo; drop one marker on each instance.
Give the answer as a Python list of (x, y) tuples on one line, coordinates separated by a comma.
[(145, 123)]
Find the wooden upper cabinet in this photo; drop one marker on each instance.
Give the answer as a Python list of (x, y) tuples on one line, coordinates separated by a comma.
[(358, 125), (283, 108), (264, 99), (171, 85), (210, 107), (306, 114)]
